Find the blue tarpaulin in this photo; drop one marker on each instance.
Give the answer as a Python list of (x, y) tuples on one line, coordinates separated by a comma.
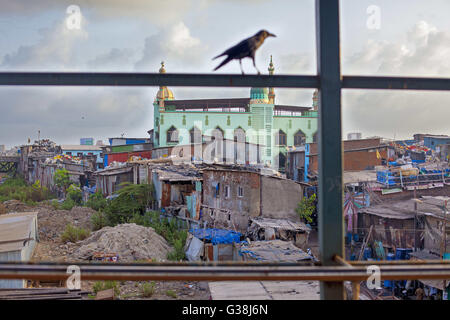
[(217, 236)]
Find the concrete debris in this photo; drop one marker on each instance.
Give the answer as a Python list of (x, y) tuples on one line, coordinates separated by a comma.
[(128, 241)]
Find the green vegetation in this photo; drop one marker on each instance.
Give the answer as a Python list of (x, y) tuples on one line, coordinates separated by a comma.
[(147, 289), (55, 204), (171, 293), (169, 230), (98, 220), (61, 179), (17, 189), (96, 201), (131, 199), (306, 208), (105, 285), (74, 234), (75, 194)]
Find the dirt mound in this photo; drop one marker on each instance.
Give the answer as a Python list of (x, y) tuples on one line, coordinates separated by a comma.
[(129, 241), (52, 223), (2, 209), (15, 206)]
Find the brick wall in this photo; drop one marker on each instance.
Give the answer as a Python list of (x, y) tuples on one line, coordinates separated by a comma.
[(354, 160)]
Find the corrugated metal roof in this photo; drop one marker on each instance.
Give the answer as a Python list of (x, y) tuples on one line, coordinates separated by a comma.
[(274, 251), (283, 224), (15, 229), (359, 176), (80, 147)]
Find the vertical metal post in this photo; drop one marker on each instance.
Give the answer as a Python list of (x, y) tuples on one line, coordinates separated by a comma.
[(331, 226)]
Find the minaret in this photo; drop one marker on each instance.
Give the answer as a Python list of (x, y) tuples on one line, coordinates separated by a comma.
[(164, 93), (316, 100), (271, 90)]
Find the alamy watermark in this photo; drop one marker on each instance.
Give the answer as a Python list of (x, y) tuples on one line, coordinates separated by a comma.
[(74, 280), (374, 280), (73, 21), (374, 19)]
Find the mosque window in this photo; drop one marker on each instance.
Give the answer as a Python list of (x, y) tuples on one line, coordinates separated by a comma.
[(172, 134), (195, 135), (239, 135), (218, 133), (281, 138), (299, 138), (315, 137)]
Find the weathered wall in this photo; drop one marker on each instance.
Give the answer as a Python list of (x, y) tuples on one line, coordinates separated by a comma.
[(234, 210), (280, 198)]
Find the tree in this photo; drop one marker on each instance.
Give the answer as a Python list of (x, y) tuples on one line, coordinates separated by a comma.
[(61, 179), (306, 208)]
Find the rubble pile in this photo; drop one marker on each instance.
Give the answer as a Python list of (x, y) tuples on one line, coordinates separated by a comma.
[(130, 242), (52, 223), (15, 206)]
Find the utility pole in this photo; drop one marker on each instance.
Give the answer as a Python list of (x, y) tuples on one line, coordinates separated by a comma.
[(445, 242)]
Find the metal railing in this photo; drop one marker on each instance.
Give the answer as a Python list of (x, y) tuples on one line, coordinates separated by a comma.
[(333, 270)]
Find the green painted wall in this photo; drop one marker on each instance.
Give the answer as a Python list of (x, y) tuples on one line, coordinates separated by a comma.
[(260, 117)]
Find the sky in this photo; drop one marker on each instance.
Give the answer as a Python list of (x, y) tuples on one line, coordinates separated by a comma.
[(378, 37)]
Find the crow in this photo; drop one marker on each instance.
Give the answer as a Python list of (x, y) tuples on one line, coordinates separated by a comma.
[(245, 48)]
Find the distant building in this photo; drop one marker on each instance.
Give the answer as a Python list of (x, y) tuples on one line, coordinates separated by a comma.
[(84, 150), (256, 119), (354, 136), (233, 196), (87, 141), (2, 148), (433, 141), (122, 149), (126, 141), (362, 154)]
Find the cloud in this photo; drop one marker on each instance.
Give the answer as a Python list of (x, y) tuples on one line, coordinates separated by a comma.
[(175, 44), (156, 11), (113, 60), (54, 50), (67, 114), (424, 52)]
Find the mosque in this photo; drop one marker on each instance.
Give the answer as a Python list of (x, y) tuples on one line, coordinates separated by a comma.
[(257, 119)]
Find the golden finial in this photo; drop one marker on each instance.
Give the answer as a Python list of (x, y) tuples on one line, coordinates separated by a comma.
[(271, 68), (162, 70)]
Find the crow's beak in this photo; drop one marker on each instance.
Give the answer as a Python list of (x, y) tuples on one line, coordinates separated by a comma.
[(272, 35)]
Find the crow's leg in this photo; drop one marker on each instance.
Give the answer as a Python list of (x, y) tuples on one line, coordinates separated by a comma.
[(254, 64), (240, 63)]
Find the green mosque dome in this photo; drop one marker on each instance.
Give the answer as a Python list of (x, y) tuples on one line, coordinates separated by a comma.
[(259, 93)]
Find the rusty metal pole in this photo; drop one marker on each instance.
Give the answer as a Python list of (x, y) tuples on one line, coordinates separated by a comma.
[(331, 222)]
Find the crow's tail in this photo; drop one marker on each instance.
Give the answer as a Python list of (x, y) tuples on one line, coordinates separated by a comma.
[(224, 62)]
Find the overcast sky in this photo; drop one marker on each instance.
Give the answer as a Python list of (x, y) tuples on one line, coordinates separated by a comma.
[(410, 38)]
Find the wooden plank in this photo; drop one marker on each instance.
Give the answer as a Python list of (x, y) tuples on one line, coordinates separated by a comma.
[(365, 243), (105, 295)]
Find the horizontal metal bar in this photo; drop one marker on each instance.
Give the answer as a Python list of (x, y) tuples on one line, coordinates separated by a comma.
[(154, 79), (398, 83), (213, 80), (220, 273)]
